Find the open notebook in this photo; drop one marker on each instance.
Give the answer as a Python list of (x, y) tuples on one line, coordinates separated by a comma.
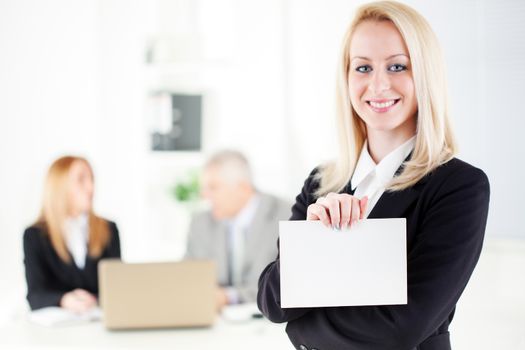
[(56, 316)]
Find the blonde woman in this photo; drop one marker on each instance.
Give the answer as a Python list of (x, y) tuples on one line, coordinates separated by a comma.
[(62, 249), (396, 160)]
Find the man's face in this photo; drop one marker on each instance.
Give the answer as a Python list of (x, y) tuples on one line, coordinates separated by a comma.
[(225, 196)]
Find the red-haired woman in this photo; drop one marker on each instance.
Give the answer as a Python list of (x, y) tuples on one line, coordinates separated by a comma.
[(62, 249)]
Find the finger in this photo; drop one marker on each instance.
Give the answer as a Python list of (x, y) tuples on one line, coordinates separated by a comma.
[(318, 212), (335, 213), (311, 213), (90, 304), (334, 208), (346, 207), (355, 211), (363, 203), (324, 205), (88, 296), (82, 295), (90, 300), (81, 292)]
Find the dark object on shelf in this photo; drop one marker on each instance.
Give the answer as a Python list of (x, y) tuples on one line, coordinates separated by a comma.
[(186, 119)]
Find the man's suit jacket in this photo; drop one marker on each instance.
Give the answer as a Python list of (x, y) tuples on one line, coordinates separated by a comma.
[(208, 239), (49, 278), (446, 214)]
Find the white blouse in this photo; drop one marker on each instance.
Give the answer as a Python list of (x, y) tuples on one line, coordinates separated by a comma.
[(370, 179), (77, 234)]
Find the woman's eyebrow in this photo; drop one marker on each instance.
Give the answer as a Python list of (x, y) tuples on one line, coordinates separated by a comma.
[(398, 54), (368, 59)]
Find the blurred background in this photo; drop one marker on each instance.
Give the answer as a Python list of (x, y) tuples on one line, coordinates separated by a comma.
[(146, 89)]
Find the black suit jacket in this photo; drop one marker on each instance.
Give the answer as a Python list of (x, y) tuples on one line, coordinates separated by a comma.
[(446, 214), (49, 278)]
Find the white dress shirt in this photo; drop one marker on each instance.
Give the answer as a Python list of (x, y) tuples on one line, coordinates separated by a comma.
[(77, 234), (370, 179)]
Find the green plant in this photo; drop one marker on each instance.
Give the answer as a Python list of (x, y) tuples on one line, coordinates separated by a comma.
[(187, 190)]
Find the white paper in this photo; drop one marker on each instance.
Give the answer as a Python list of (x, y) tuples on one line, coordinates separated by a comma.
[(55, 316), (363, 265)]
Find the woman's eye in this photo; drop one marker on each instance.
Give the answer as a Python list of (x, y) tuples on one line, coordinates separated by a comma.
[(363, 69), (397, 68)]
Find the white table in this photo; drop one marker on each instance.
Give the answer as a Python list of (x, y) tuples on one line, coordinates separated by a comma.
[(490, 315), (254, 334)]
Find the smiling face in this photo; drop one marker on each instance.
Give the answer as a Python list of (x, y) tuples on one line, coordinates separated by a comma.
[(380, 80)]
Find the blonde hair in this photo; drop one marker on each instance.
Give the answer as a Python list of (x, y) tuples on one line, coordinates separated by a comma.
[(55, 208), (435, 143)]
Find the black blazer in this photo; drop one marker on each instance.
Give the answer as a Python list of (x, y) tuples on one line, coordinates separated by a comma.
[(49, 278), (446, 214)]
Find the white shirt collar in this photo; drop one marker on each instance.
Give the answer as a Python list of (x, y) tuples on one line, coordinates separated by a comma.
[(386, 168)]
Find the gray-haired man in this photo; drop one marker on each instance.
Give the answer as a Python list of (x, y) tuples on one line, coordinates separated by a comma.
[(240, 231)]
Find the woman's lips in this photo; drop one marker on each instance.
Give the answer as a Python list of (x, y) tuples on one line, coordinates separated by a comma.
[(382, 106)]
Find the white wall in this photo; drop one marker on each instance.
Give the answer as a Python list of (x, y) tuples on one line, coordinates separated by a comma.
[(50, 88), (484, 46), (74, 80)]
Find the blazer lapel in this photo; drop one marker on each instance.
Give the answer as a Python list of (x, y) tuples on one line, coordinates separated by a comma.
[(395, 204), (73, 272)]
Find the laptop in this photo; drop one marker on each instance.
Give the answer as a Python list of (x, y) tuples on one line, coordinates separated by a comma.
[(157, 295)]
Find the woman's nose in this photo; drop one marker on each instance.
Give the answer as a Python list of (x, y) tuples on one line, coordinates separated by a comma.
[(380, 82)]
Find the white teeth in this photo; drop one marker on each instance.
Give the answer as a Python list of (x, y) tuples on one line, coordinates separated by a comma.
[(382, 105)]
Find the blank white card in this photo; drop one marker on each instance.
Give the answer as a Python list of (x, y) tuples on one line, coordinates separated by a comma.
[(363, 265)]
